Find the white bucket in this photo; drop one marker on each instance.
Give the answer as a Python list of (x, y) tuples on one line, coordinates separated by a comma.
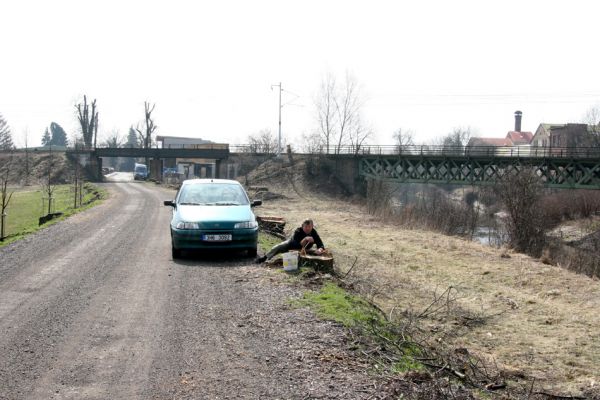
[(290, 261)]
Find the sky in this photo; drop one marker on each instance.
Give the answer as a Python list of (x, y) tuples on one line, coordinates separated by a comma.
[(209, 66)]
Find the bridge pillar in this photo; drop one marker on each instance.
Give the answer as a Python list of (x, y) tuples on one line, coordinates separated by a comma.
[(218, 169), (347, 171), (95, 167), (155, 168)]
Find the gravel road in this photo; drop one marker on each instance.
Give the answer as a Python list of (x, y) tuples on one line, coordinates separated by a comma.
[(95, 308)]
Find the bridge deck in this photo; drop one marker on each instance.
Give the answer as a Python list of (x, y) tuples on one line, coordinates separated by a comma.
[(557, 167)]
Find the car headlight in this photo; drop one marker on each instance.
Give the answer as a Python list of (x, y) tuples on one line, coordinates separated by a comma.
[(246, 225), (187, 225)]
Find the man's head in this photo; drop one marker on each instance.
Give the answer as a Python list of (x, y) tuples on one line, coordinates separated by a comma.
[(307, 226)]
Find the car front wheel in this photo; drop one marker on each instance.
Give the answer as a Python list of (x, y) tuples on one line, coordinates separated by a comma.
[(175, 253)]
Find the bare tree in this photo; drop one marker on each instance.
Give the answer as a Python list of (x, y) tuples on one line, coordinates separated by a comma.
[(338, 114), (114, 139), (46, 180), (312, 143), (148, 129), (592, 119), (347, 106), (358, 134), (264, 142), (326, 111), (88, 121), (459, 137), (77, 184), (455, 141), (26, 166), (6, 165), (403, 138)]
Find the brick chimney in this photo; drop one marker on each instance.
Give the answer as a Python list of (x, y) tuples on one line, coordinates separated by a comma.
[(518, 115)]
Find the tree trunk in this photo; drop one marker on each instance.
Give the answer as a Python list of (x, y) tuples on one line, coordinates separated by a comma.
[(322, 263)]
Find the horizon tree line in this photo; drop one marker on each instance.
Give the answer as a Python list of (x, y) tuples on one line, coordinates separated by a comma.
[(338, 110)]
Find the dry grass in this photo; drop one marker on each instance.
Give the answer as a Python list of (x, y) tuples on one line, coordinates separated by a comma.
[(533, 319)]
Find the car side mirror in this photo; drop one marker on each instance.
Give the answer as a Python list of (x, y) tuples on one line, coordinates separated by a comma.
[(256, 203), (169, 203)]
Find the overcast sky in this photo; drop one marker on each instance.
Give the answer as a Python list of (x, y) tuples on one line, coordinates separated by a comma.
[(209, 66)]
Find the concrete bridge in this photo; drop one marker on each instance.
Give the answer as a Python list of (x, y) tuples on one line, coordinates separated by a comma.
[(213, 151)]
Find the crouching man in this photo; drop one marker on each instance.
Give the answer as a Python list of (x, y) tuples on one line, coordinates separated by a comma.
[(303, 237)]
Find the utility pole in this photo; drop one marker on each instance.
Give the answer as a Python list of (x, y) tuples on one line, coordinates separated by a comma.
[(279, 137)]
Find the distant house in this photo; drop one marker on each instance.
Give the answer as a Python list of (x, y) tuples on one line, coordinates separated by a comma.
[(570, 135), (564, 135), (515, 138), (541, 138)]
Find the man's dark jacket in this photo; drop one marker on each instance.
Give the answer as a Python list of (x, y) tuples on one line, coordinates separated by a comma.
[(299, 235)]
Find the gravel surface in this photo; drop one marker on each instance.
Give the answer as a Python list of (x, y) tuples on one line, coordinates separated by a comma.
[(95, 308)]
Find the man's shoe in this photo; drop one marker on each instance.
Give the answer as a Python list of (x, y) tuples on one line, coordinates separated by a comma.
[(261, 260)]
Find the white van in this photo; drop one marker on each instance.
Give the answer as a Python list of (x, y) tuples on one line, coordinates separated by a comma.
[(140, 172)]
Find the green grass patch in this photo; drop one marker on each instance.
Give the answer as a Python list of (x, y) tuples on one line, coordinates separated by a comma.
[(266, 241), (29, 204), (334, 303)]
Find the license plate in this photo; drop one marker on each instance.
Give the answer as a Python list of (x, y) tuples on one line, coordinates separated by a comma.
[(217, 238)]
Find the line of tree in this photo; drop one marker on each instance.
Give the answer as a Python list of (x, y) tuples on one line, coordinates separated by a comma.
[(56, 136)]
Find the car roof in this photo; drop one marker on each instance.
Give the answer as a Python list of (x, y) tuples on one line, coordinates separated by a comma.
[(201, 181)]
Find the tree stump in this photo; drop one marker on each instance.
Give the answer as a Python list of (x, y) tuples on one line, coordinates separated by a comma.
[(322, 263)]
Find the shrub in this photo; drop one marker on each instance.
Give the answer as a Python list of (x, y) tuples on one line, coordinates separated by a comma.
[(526, 225), (430, 208), (436, 211), (570, 204)]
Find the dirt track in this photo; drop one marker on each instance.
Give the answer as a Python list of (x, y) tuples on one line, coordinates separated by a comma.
[(94, 307)]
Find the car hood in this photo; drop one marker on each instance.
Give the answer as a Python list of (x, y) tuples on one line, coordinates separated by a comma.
[(215, 216)]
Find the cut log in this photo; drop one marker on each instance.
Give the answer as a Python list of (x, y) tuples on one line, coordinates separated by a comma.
[(272, 225)]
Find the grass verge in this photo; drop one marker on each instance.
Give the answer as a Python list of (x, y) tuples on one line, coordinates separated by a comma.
[(266, 241), (27, 205), (399, 350), (389, 349)]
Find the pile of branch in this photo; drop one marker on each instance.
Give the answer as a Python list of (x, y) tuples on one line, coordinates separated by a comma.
[(272, 225)]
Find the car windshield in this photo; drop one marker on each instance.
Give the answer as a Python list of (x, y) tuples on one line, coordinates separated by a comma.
[(217, 194)]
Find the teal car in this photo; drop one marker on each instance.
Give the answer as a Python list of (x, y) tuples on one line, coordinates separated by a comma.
[(213, 214)]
